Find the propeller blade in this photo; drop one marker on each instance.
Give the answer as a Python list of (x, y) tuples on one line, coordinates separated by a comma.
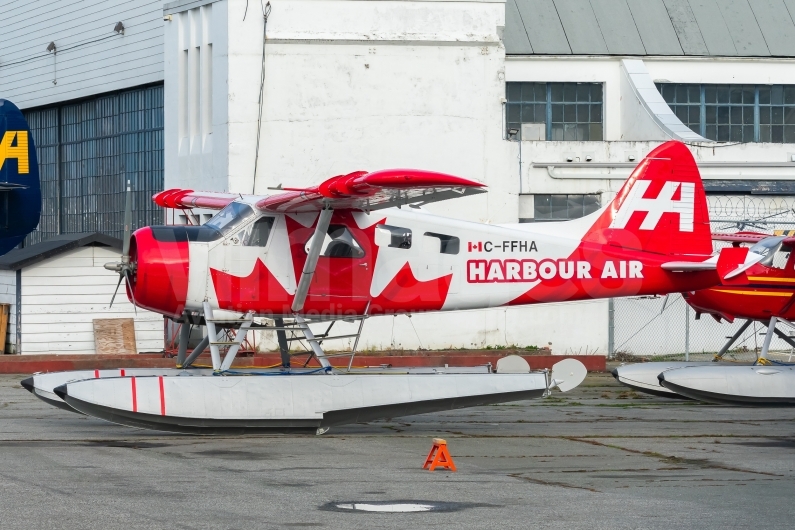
[(115, 292), (129, 284), (125, 253)]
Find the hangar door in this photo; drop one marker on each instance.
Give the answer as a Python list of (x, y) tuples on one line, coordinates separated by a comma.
[(87, 151)]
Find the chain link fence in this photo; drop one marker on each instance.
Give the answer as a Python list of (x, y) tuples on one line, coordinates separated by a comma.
[(665, 327)]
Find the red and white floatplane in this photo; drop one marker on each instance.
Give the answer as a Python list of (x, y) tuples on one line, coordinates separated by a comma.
[(359, 246)]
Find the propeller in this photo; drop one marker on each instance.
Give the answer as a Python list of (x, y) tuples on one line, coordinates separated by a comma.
[(125, 268)]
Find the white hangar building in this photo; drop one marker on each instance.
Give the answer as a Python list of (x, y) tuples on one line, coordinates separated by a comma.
[(549, 102)]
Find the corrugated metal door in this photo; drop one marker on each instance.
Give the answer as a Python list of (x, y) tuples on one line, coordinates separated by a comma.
[(87, 152)]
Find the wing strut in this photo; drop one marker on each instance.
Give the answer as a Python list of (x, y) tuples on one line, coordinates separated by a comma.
[(315, 245)]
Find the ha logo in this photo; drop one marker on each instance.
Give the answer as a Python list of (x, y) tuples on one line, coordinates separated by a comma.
[(655, 208)]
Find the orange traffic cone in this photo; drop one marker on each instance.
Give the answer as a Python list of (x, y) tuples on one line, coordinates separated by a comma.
[(439, 456)]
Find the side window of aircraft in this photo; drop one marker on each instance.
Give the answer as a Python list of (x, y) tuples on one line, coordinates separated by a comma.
[(257, 234), (392, 236), (447, 244), (781, 258), (230, 218), (339, 243)]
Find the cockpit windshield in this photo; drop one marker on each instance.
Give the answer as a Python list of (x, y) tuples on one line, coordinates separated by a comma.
[(768, 247), (230, 218)]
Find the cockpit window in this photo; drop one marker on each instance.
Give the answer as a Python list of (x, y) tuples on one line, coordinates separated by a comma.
[(257, 233), (339, 243), (768, 247), (230, 218)]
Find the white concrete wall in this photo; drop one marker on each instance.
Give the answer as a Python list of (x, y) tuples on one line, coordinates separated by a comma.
[(62, 295), (90, 57), (348, 85), (353, 85), (8, 295)]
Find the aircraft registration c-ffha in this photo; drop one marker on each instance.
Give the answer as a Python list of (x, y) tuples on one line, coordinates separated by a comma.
[(361, 245)]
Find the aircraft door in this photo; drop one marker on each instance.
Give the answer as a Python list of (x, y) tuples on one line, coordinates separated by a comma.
[(243, 248), (343, 271)]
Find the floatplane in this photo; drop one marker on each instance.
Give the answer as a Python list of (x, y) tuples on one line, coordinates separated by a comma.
[(761, 290), (358, 246)]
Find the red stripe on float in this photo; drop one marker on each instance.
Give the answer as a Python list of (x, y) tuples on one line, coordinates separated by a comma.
[(122, 373), (96, 374), (162, 398), (134, 395)]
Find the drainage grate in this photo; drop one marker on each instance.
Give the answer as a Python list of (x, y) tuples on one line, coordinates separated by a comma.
[(403, 506)]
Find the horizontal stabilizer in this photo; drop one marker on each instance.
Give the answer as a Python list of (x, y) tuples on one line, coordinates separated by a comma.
[(734, 261), (691, 266)]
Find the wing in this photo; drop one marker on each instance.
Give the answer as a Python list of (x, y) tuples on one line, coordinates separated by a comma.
[(740, 237), (355, 191), (373, 191), (754, 237), (179, 198)]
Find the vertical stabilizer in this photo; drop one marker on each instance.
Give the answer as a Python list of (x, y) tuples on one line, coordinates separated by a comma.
[(661, 208)]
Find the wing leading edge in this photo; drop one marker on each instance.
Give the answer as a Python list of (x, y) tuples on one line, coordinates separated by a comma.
[(355, 191), (373, 191)]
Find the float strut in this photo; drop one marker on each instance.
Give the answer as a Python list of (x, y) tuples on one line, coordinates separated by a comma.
[(281, 336), (184, 337), (198, 350), (766, 345), (732, 340)]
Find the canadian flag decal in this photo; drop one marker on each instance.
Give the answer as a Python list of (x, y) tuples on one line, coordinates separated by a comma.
[(655, 208)]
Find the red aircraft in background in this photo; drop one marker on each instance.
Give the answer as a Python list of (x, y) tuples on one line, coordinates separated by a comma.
[(763, 292)]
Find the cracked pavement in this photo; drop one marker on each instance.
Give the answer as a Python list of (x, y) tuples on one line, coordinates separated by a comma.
[(601, 456)]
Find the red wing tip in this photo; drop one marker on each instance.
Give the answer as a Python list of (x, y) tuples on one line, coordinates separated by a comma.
[(416, 178)]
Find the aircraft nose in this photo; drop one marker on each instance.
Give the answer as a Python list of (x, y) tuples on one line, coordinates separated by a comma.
[(160, 257), (27, 384), (615, 372)]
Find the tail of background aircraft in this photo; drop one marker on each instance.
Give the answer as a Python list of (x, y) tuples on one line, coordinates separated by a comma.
[(20, 194), (661, 208)]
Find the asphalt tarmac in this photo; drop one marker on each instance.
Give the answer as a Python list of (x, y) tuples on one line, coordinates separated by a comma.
[(599, 457)]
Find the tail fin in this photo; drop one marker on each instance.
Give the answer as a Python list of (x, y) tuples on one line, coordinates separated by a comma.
[(661, 208), (20, 193)]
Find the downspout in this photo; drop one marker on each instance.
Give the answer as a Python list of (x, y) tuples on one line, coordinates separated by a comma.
[(19, 312)]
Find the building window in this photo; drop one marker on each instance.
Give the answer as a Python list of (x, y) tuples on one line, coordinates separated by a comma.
[(87, 152), (735, 113), (562, 207), (569, 111)]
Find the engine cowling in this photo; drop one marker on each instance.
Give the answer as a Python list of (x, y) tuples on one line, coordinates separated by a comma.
[(160, 258)]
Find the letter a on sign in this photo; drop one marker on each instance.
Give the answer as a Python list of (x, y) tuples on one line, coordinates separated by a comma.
[(18, 151), (655, 208)]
